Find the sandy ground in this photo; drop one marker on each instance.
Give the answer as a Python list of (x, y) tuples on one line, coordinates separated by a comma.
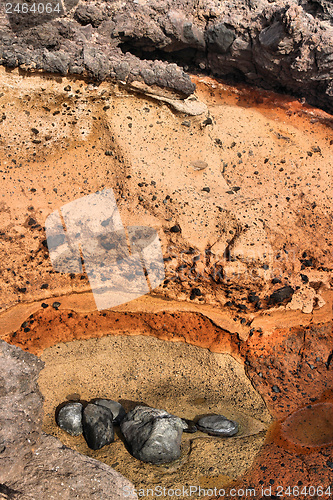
[(185, 380)]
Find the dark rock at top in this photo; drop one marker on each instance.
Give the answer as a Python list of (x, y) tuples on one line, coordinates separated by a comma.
[(117, 410), (219, 38), (69, 418), (217, 425), (97, 426), (279, 45), (281, 295), (153, 435)]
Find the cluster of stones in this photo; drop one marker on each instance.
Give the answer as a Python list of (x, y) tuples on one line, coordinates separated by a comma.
[(152, 435)]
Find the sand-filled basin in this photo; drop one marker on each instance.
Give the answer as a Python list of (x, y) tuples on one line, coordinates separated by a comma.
[(185, 380), (309, 428)]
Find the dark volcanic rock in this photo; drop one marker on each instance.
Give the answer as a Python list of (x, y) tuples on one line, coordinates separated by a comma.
[(153, 435), (281, 45), (69, 418), (33, 464), (117, 410), (97, 426), (219, 38), (281, 295), (217, 425)]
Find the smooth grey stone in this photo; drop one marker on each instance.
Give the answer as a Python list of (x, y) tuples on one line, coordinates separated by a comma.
[(153, 435), (217, 425), (97, 426), (116, 409), (69, 418)]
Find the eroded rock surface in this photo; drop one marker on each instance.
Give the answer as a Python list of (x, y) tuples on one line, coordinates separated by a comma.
[(34, 465), (282, 45)]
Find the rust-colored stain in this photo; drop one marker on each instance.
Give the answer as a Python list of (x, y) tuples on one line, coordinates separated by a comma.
[(49, 326)]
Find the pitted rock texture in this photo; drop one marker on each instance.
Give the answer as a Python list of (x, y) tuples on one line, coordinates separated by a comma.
[(34, 465), (259, 214), (282, 45), (20, 410)]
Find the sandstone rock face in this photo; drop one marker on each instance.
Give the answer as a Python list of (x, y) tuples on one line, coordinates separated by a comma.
[(32, 464), (256, 220), (283, 45)]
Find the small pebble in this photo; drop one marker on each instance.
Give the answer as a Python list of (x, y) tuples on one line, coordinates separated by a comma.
[(69, 418), (189, 426), (217, 425), (117, 410), (281, 295), (199, 165)]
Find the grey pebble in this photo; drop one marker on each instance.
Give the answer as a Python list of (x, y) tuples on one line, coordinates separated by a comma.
[(97, 426), (189, 426), (69, 418), (217, 425), (116, 409)]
